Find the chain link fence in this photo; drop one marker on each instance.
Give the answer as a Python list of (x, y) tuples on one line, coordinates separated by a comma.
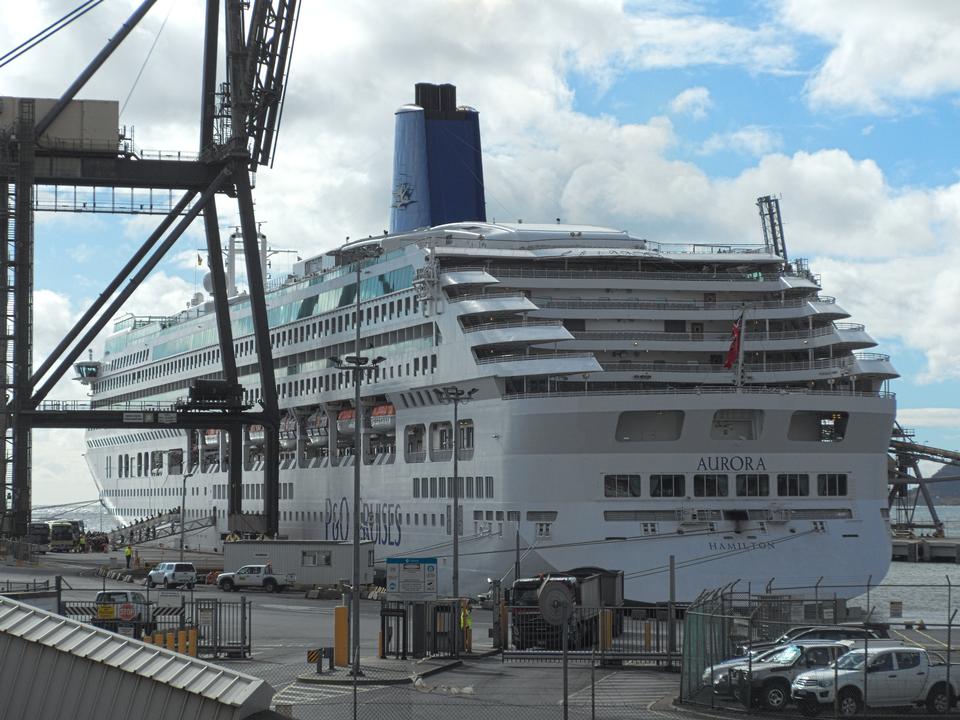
[(833, 644)]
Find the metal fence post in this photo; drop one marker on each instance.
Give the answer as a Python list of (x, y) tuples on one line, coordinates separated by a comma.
[(243, 624)]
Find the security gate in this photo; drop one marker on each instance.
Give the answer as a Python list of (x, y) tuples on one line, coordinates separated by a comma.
[(224, 627)]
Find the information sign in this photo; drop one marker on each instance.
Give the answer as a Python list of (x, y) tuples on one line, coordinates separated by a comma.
[(412, 578)]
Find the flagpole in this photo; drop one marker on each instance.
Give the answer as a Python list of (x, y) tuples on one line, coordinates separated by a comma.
[(743, 330)]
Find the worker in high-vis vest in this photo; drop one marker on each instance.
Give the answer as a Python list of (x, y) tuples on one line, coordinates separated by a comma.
[(466, 625), (128, 553)]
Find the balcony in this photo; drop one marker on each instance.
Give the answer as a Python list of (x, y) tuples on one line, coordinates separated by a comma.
[(540, 363), (517, 331)]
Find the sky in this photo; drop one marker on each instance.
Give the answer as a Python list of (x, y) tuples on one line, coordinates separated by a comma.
[(667, 119)]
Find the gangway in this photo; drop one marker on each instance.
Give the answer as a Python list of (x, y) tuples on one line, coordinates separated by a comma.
[(904, 470)]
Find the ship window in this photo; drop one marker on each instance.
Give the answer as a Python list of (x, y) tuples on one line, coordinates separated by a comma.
[(470, 486), (710, 486), (443, 487), (649, 425), (834, 484), (433, 487), (753, 485), (812, 426), (793, 485), (424, 491), (480, 487), (667, 485), (737, 424), (621, 485), (490, 489)]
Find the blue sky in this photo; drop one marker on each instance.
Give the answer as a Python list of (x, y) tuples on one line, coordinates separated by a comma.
[(667, 119)]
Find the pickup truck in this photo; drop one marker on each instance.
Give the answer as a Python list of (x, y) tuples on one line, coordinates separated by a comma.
[(894, 677), (767, 681), (255, 576)]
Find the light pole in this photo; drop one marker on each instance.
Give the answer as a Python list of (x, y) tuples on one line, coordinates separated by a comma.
[(183, 500), (357, 364), (455, 395)]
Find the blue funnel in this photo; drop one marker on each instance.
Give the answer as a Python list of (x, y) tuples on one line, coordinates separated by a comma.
[(437, 165)]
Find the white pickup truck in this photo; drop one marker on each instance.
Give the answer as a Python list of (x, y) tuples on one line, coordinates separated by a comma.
[(255, 576), (893, 677)]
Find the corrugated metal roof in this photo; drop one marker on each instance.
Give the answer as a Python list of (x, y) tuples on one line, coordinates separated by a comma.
[(179, 671)]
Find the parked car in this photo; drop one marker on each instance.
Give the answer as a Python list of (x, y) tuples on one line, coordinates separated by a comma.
[(172, 574), (894, 677), (767, 682), (719, 673), (823, 632)]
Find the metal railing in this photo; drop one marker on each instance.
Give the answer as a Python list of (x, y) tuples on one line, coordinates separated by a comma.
[(516, 324), (638, 274), (749, 336), (702, 390), (711, 368), (596, 634), (599, 304), (489, 296), (527, 358)]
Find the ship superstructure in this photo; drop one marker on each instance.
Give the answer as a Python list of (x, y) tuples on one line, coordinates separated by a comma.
[(609, 426)]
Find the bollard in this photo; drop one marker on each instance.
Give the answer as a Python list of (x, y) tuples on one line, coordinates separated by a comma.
[(341, 639), (182, 642), (171, 641), (607, 634), (158, 639), (192, 636)]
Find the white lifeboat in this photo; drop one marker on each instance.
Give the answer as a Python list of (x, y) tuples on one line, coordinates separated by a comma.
[(347, 421), (383, 418), (288, 431), (256, 434), (316, 428)]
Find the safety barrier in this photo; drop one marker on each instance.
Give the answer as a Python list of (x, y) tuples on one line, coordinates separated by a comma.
[(225, 628)]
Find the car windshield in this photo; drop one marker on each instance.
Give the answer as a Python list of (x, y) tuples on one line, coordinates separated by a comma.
[(786, 656), (851, 661)]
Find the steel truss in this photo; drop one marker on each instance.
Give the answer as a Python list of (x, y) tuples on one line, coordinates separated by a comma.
[(257, 64)]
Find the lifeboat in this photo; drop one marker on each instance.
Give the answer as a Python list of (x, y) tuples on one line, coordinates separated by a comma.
[(383, 418), (256, 434), (347, 421), (288, 431), (211, 438), (315, 427)]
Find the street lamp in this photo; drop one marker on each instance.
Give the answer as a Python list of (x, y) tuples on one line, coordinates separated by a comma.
[(357, 364), (455, 395)]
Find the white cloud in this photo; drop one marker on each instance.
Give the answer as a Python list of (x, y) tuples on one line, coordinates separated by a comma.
[(693, 101), (542, 158), (751, 140), (883, 54), (929, 417)]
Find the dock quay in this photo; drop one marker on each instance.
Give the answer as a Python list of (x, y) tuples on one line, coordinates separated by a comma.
[(926, 549)]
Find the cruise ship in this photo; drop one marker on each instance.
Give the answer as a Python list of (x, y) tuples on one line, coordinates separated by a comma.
[(632, 404)]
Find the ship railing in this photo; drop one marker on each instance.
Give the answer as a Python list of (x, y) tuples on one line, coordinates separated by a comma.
[(638, 274), (130, 406), (871, 356), (597, 304), (695, 367), (492, 295), (415, 456), (441, 455), (516, 324), (749, 336), (539, 356), (704, 390)]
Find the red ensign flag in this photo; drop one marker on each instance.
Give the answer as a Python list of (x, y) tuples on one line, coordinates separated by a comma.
[(734, 350)]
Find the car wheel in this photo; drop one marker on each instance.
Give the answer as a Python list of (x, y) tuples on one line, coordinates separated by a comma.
[(166, 584), (270, 585), (189, 586), (775, 696), (939, 700), (226, 585), (150, 582), (849, 703)]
